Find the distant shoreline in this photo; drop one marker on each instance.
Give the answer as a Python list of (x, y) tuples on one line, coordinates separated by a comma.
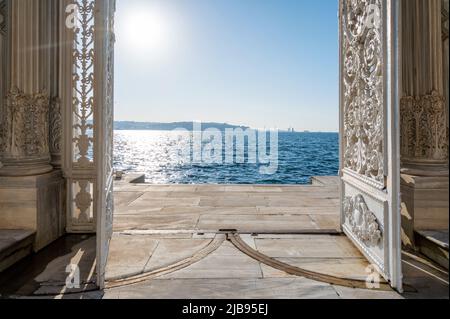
[(159, 126)]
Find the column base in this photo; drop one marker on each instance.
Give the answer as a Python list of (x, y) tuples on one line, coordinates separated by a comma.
[(34, 203), (425, 205), (430, 169), (24, 168)]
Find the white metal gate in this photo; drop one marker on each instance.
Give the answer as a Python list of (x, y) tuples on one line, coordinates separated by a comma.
[(369, 128), (105, 40), (89, 91), (369, 107)]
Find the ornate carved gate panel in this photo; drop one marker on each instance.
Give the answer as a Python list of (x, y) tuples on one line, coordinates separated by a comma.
[(79, 110), (88, 114), (105, 98), (369, 108)]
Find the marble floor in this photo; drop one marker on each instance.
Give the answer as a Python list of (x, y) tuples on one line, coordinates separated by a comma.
[(298, 225), (210, 208), (157, 227), (229, 273)]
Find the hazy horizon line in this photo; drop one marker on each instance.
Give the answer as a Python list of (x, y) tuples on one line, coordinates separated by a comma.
[(229, 124)]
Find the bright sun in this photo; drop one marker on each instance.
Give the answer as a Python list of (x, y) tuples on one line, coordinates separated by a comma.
[(146, 30)]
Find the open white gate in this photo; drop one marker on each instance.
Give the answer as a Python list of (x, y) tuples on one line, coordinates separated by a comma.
[(88, 57), (369, 107), (104, 98), (369, 128)]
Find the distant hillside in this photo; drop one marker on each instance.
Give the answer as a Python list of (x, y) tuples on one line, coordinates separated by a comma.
[(154, 126)]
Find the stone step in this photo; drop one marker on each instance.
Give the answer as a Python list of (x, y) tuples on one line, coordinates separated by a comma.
[(325, 181), (14, 246), (434, 245)]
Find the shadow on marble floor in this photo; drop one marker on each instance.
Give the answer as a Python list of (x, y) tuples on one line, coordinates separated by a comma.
[(224, 274), (46, 272)]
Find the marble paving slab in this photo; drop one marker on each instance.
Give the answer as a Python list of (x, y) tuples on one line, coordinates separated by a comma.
[(264, 210), (225, 262), (129, 255), (158, 222), (170, 251), (349, 268), (261, 223), (326, 221), (234, 201), (312, 246), (256, 208), (148, 200), (125, 198), (217, 288)]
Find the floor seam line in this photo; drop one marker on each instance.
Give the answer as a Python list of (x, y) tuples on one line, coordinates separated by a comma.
[(151, 255)]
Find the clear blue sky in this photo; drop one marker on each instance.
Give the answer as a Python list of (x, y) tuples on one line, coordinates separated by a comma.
[(263, 63)]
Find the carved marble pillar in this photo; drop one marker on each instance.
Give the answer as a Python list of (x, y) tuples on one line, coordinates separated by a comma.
[(25, 129), (32, 192), (424, 118), (424, 123), (3, 15), (445, 51)]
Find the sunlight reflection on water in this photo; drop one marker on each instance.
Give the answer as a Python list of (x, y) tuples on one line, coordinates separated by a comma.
[(157, 154)]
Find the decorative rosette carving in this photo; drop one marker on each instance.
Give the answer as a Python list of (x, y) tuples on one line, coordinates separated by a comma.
[(362, 221)]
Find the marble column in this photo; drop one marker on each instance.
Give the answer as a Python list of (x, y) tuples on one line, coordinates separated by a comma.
[(3, 38), (424, 124), (445, 51), (25, 126), (424, 118), (32, 191)]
